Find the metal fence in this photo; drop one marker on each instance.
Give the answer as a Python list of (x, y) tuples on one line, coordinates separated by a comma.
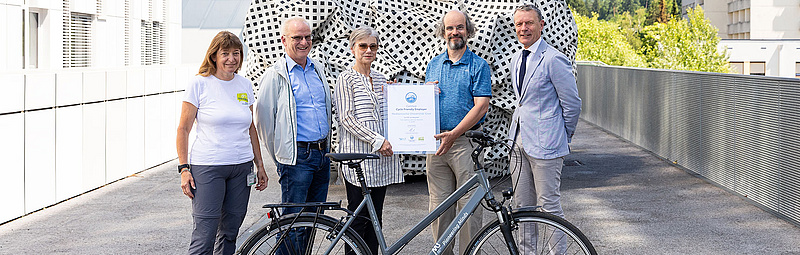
[(741, 132)]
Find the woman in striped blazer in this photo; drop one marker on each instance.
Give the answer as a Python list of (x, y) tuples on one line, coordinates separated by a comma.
[(358, 96)]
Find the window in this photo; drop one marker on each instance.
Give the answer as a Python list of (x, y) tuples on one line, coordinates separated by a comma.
[(737, 67), (127, 32), (78, 40), (757, 68), (31, 40), (153, 43), (797, 69)]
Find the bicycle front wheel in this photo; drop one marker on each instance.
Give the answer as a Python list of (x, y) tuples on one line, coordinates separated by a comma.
[(534, 233), (303, 234)]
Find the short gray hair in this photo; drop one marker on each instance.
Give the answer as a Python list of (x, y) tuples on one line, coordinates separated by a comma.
[(527, 8), (286, 22), (361, 33), (469, 26)]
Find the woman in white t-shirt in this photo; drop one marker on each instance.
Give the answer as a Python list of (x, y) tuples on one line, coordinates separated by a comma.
[(218, 171)]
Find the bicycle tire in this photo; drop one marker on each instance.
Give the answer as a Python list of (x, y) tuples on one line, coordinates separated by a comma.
[(549, 228), (323, 230)]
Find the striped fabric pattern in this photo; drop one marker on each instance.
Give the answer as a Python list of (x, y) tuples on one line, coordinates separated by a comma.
[(360, 116)]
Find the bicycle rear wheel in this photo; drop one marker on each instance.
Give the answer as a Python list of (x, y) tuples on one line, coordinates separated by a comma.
[(303, 234), (546, 234)]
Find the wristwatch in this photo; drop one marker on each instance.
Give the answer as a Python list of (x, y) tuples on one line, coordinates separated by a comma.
[(184, 166)]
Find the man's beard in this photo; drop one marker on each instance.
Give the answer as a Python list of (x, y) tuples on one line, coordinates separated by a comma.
[(456, 45)]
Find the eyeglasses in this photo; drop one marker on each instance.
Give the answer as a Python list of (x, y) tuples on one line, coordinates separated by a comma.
[(459, 28), (364, 46), (308, 38)]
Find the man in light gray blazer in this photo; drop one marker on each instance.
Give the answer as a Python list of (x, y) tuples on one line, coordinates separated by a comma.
[(545, 118)]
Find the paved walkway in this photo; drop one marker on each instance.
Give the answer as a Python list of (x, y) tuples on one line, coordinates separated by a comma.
[(626, 200)]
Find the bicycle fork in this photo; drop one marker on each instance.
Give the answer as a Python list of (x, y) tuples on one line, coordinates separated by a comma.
[(507, 223)]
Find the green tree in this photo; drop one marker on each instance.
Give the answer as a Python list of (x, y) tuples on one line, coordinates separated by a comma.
[(662, 11), (578, 6), (630, 5), (631, 25), (685, 45), (596, 7), (600, 40)]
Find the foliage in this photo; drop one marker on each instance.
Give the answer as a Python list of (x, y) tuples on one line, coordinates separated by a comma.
[(578, 6), (685, 45), (662, 11), (602, 41), (631, 25), (657, 10), (627, 40)]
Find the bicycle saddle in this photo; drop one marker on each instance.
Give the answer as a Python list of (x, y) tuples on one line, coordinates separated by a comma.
[(339, 157)]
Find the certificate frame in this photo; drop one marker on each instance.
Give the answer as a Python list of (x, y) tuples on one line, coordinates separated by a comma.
[(412, 117)]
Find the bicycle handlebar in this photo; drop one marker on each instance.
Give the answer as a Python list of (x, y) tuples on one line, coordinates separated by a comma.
[(480, 136)]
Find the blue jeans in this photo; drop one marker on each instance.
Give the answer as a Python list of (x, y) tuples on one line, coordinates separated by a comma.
[(306, 181)]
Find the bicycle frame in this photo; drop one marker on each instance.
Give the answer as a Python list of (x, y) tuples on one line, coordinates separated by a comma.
[(482, 192)]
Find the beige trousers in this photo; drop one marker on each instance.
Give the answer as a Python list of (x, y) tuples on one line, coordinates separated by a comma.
[(537, 182), (445, 174)]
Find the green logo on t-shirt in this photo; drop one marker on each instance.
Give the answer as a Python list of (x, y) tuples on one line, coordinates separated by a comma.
[(242, 97)]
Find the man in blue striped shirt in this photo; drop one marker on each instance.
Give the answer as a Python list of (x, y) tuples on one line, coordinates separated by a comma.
[(464, 80)]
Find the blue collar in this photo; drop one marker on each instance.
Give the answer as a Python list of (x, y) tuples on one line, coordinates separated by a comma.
[(465, 59), (290, 63)]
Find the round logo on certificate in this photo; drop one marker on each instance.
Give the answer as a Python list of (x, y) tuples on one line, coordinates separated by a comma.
[(411, 97)]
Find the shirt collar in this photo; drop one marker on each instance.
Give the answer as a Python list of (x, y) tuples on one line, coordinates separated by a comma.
[(535, 46), (290, 63), (465, 59)]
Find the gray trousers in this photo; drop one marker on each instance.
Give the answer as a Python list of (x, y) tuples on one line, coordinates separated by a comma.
[(445, 174), (537, 182), (219, 206)]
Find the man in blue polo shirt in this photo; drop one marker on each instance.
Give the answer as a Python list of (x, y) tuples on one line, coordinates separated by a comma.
[(466, 86)]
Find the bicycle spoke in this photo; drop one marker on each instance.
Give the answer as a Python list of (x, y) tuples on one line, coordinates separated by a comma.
[(307, 236), (537, 232)]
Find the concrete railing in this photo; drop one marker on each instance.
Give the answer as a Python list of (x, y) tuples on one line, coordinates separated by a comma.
[(740, 132), (69, 131)]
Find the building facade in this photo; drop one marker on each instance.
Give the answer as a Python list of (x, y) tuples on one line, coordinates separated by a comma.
[(89, 95), (751, 19), (762, 37), (780, 58)]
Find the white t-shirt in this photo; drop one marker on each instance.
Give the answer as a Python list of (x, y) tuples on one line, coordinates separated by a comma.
[(223, 120)]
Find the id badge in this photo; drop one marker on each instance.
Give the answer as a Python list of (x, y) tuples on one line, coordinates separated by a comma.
[(251, 179)]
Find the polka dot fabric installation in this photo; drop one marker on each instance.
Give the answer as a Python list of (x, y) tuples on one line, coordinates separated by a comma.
[(408, 42)]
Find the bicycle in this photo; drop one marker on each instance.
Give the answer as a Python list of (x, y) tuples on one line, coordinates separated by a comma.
[(327, 235)]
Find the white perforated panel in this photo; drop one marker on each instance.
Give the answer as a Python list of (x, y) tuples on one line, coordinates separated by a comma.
[(408, 43)]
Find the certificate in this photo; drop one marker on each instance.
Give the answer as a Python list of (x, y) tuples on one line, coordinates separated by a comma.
[(412, 118)]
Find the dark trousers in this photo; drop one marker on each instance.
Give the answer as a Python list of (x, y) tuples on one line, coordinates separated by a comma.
[(362, 224), (219, 206)]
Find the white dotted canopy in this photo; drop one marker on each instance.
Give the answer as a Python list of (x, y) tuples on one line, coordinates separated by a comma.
[(408, 42)]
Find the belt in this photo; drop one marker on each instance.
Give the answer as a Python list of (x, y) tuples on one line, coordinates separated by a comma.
[(315, 145)]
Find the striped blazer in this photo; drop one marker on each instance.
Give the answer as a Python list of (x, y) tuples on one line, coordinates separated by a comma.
[(360, 116)]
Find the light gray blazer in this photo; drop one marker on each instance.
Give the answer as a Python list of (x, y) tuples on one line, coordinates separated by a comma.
[(548, 106)]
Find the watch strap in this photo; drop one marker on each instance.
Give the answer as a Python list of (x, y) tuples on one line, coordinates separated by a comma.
[(184, 166)]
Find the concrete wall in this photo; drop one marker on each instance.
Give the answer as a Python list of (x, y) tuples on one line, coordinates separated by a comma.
[(775, 19), (68, 132), (65, 131)]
